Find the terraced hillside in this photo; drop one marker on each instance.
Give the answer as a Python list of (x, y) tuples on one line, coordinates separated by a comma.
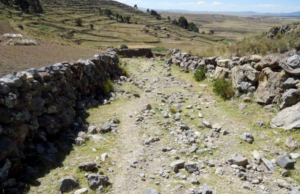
[(143, 30)]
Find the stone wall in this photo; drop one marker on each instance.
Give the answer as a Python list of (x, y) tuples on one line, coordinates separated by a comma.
[(35, 105), (270, 80), (130, 53)]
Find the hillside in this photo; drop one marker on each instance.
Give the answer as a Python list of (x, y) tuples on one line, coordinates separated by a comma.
[(58, 23)]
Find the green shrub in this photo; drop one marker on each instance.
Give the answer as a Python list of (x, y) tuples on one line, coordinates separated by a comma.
[(107, 87), (223, 88), (123, 46), (124, 69), (199, 74), (78, 21)]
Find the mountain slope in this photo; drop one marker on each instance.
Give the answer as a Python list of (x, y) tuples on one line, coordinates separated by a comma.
[(98, 30)]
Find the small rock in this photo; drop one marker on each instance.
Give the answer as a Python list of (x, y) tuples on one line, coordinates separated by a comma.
[(195, 181), (295, 155), (148, 107), (96, 180), (256, 155), (294, 192), (104, 156), (105, 128), (150, 191), (207, 124), (206, 189), (268, 164), (92, 130), (238, 160), (246, 186), (247, 137), (81, 191), (219, 171), (178, 164), (87, 166), (67, 184), (284, 161), (191, 167), (285, 173), (79, 141)]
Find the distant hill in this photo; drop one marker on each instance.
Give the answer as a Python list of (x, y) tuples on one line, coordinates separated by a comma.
[(248, 13)]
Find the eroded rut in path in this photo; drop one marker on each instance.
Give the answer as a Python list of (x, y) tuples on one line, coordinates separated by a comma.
[(175, 136)]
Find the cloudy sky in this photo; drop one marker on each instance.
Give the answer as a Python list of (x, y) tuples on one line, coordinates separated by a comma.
[(270, 6)]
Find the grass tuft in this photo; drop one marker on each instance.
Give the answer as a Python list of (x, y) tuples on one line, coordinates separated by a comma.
[(223, 88)]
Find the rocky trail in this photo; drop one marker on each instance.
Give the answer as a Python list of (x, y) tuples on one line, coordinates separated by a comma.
[(170, 134)]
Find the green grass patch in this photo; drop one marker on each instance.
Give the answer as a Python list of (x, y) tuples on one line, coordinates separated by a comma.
[(107, 87), (199, 74), (223, 88), (159, 49)]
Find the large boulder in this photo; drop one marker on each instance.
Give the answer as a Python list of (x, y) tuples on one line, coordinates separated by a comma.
[(288, 118), (290, 98), (244, 73), (270, 86), (271, 61)]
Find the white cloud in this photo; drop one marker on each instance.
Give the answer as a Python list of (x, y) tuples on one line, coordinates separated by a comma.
[(201, 3), (215, 3)]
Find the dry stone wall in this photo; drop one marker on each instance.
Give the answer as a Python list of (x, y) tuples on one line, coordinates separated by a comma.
[(37, 104), (129, 53), (271, 80)]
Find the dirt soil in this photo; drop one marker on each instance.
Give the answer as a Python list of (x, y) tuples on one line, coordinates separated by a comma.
[(17, 58)]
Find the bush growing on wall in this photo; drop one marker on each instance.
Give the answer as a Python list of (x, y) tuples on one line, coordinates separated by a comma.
[(199, 74), (223, 88)]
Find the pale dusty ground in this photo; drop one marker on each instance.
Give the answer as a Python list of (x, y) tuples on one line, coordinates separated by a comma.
[(124, 146)]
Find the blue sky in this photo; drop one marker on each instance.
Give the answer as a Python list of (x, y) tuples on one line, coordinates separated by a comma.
[(270, 6)]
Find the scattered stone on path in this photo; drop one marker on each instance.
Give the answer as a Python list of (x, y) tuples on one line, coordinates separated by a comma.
[(81, 191), (191, 167), (176, 165), (79, 141), (294, 192), (92, 129), (150, 191), (238, 160), (256, 155), (106, 127), (247, 137), (292, 143), (207, 124), (104, 156), (206, 189), (268, 164), (67, 184), (284, 161), (87, 166), (96, 180), (295, 155)]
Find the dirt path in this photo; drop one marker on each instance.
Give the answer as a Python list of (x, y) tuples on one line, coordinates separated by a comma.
[(171, 129)]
